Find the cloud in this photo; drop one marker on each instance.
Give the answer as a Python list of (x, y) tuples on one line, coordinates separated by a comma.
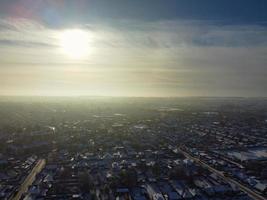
[(140, 34), (9, 43), (20, 32), (233, 36), (159, 58)]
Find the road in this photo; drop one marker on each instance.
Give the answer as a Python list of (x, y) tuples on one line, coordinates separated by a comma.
[(233, 162), (242, 187), (30, 179)]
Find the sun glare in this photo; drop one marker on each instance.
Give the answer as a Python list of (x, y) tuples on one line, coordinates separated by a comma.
[(74, 43)]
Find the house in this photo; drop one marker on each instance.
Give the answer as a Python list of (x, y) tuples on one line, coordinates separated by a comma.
[(261, 187), (169, 191), (153, 192)]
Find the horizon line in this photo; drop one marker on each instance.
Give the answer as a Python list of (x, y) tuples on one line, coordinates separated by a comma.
[(121, 96)]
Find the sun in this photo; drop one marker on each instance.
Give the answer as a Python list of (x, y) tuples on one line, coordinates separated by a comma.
[(74, 43)]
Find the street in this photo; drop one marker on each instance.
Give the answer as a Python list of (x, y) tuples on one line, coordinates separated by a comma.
[(30, 178)]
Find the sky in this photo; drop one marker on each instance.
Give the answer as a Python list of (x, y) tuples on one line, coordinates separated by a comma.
[(133, 47)]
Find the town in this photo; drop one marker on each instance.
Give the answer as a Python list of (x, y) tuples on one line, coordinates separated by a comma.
[(133, 148)]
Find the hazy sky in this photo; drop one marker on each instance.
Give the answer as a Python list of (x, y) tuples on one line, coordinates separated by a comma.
[(134, 47)]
